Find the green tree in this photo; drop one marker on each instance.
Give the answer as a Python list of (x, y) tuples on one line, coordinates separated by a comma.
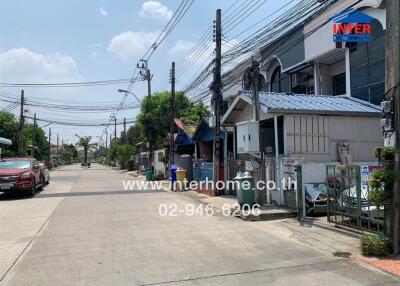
[(84, 143), (69, 152), (154, 116), (194, 113), (40, 140), (9, 130), (133, 135), (112, 150), (125, 153)]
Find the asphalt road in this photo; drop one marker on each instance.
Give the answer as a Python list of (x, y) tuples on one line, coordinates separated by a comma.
[(84, 229)]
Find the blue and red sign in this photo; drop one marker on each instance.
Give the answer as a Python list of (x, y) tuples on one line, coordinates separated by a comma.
[(352, 26)]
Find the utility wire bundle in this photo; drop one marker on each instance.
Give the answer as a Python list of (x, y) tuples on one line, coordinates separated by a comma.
[(250, 46)]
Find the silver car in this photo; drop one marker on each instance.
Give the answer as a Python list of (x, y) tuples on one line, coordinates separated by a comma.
[(45, 173)]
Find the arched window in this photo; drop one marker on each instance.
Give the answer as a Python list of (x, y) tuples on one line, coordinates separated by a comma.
[(279, 82), (276, 80)]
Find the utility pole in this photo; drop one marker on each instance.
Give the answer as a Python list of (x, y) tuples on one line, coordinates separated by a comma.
[(393, 99), (33, 136), (254, 74), (217, 95), (62, 148), (124, 130), (115, 127), (21, 126), (48, 162), (57, 144), (172, 110), (146, 74), (171, 128), (106, 144)]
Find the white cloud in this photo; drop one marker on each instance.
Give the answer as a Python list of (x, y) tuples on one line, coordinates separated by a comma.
[(128, 44), (103, 11), (155, 10), (23, 65), (181, 47)]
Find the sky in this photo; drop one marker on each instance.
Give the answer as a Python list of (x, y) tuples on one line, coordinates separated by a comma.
[(47, 41)]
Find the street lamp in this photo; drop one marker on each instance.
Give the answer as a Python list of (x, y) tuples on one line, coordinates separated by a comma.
[(127, 91)]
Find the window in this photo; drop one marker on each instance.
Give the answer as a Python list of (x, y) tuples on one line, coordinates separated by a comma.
[(280, 82), (9, 164), (367, 66), (339, 84)]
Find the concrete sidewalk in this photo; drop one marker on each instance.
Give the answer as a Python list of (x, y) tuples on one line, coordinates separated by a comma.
[(314, 232)]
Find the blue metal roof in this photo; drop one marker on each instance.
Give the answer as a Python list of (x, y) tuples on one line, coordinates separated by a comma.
[(288, 102)]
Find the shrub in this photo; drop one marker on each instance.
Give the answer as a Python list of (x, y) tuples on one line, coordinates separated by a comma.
[(381, 184), (131, 165), (379, 196), (379, 177), (376, 245)]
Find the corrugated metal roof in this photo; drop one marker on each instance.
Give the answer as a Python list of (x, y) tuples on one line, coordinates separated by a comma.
[(275, 102)]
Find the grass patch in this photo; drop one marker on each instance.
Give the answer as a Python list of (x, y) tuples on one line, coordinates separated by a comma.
[(342, 254)]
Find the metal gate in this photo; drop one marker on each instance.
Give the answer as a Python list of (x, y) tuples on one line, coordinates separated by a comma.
[(348, 203)]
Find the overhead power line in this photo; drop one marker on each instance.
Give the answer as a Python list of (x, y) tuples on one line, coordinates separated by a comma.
[(76, 123), (250, 46), (67, 84)]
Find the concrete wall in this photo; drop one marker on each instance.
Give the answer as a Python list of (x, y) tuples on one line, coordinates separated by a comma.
[(289, 50), (315, 138), (327, 72), (362, 134)]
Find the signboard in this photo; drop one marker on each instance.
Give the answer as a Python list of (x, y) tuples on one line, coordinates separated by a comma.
[(366, 172), (352, 26)]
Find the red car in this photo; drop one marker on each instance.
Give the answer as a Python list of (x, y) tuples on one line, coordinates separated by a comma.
[(20, 174)]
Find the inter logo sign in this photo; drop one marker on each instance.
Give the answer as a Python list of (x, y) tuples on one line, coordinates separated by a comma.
[(351, 26)]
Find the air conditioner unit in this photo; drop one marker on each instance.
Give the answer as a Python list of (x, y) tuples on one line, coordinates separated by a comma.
[(299, 79)]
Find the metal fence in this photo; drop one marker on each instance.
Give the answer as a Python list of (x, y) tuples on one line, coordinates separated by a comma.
[(348, 203)]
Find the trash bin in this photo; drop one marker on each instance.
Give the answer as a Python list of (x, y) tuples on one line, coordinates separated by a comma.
[(245, 191), (172, 173), (149, 174), (180, 177)]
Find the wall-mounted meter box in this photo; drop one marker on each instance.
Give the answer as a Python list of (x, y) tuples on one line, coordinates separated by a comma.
[(248, 138)]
